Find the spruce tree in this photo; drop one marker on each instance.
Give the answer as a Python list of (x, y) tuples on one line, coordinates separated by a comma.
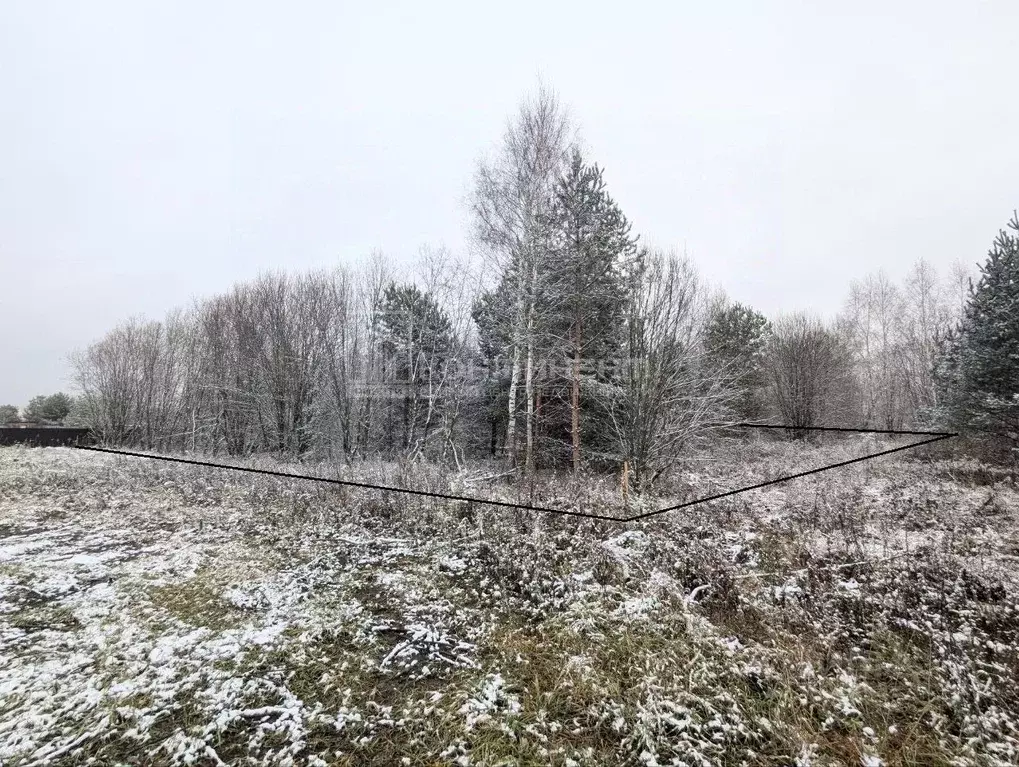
[(979, 370)]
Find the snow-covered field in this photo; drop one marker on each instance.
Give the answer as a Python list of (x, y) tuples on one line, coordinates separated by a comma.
[(160, 614)]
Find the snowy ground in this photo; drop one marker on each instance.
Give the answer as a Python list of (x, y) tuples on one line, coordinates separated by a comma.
[(159, 614)]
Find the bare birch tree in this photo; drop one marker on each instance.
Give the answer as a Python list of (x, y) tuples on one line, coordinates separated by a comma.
[(511, 207), (664, 392), (869, 324), (923, 323)]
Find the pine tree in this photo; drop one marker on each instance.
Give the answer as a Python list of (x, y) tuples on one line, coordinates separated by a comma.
[(491, 313), (587, 284), (735, 341), (980, 367), (53, 407), (416, 342)]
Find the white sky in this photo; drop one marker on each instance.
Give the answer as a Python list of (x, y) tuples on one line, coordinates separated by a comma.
[(154, 152)]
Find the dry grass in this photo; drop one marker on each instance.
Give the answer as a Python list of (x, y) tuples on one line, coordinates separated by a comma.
[(153, 614)]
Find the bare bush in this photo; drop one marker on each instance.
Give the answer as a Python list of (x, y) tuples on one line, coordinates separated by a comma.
[(808, 366)]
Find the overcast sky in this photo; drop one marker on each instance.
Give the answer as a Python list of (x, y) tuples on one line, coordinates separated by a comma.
[(151, 152)]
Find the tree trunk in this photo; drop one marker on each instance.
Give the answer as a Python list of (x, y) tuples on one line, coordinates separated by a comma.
[(529, 394), (575, 402), (511, 424)]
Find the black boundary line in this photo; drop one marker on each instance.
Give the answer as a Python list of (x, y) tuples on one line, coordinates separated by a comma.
[(831, 428), (936, 437), (788, 477), (351, 483)]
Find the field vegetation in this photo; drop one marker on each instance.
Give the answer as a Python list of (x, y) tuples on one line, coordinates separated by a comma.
[(153, 613)]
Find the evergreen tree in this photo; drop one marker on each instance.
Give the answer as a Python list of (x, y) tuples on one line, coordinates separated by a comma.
[(586, 289), (417, 343), (735, 341), (492, 312), (53, 407), (979, 371)]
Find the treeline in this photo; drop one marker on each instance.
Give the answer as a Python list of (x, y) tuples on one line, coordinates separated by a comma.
[(564, 343), (45, 408), (349, 363)]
